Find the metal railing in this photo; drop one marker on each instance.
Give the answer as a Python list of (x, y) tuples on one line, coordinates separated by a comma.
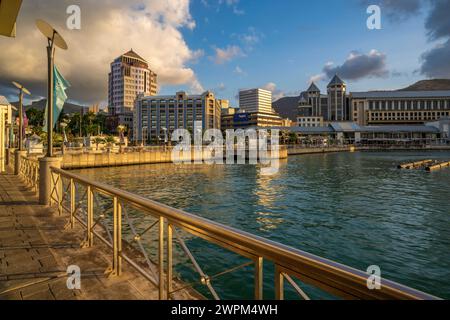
[(29, 171), (336, 279)]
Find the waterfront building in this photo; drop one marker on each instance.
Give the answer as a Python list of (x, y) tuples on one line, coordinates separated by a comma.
[(372, 107), (130, 76), (399, 107), (156, 117), (313, 99), (255, 100), (337, 100), (312, 108), (245, 120), (351, 132), (310, 121)]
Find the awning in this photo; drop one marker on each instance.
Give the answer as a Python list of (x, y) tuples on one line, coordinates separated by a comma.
[(9, 10)]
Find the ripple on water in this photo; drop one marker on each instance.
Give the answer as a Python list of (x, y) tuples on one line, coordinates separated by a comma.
[(355, 208)]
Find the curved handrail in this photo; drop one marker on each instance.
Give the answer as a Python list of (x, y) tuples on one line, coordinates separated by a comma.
[(326, 274)]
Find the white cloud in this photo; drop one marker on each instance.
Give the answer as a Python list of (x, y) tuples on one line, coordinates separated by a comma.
[(226, 54), (276, 93), (108, 29), (234, 5), (238, 70)]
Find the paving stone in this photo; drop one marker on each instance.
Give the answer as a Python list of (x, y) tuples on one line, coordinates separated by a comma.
[(24, 269)]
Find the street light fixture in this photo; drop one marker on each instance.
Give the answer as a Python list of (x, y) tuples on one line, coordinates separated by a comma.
[(22, 90), (54, 39), (63, 126)]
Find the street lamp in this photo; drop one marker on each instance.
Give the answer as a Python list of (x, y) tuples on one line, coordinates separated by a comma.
[(22, 90), (63, 126), (54, 39)]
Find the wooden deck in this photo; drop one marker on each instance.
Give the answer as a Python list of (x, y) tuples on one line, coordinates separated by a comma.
[(36, 250)]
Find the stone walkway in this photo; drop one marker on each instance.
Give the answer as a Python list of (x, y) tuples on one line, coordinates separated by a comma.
[(35, 251)]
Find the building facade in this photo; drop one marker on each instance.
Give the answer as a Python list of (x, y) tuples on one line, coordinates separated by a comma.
[(399, 107), (372, 107), (255, 100), (130, 76), (245, 120), (337, 100), (156, 117), (310, 121)]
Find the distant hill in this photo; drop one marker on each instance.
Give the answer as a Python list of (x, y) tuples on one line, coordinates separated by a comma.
[(40, 105), (287, 107), (429, 85)]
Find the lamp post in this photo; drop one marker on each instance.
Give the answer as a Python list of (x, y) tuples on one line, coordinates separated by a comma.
[(54, 39), (63, 126), (20, 152), (22, 90)]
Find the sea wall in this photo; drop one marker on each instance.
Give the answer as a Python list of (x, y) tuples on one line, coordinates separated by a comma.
[(163, 155)]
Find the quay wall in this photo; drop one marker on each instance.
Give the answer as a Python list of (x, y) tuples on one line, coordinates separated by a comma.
[(309, 150), (97, 160)]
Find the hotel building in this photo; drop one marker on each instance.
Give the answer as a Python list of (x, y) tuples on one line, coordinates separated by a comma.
[(130, 76), (244, 120), (255, 110), (255, 100), (156, 115), (370, 108), (399, 107)]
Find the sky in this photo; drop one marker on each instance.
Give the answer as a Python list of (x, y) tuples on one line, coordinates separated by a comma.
[(228, 45)]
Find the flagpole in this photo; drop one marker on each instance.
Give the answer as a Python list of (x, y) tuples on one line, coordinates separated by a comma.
[(48, 162), (21, 120), (50, 85)]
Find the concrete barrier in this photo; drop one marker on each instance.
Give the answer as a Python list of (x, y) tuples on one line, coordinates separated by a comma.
[(162, 155)]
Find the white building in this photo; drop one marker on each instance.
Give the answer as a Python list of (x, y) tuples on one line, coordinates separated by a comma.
[(255, 100)]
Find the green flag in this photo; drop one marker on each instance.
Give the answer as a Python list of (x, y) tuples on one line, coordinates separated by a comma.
[(59, 96)]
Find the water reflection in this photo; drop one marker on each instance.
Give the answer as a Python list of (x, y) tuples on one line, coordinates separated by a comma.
[(355, 208)]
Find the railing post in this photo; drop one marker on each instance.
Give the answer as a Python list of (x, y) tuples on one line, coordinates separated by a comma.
[(90, 217), (117, 240), (279, 284), (18, 154), (259, 278), (60, 190), (169, 271), (72, 203), (161, 258), (45, 178)]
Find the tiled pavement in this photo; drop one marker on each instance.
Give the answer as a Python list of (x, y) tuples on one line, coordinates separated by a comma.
[(35, 251)]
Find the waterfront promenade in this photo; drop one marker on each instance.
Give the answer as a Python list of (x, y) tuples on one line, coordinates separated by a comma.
[(36, 250)]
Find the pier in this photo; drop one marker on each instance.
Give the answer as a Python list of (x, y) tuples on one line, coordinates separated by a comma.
[(38, 243), (438, 166), (37, 248), (416, 164)]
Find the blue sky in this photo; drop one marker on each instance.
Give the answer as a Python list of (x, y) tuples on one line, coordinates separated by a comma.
[(227, 45), (288, 42)]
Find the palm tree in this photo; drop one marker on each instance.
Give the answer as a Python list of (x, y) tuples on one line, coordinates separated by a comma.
[(110, 140), (98, 140)]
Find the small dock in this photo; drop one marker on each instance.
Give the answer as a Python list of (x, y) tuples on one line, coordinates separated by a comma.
[(438, 166), (415, 165), (428, 165)]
